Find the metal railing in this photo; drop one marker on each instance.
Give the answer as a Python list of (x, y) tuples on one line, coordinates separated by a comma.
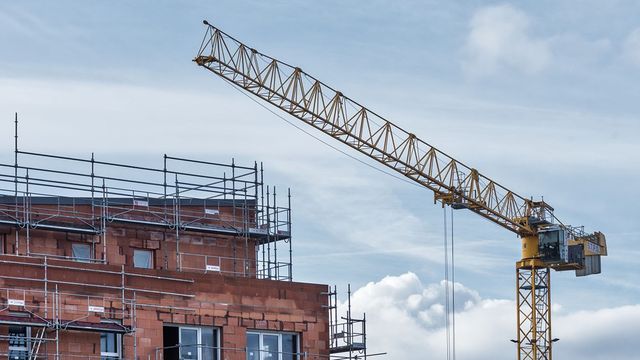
[(254, 268), (217, 352)]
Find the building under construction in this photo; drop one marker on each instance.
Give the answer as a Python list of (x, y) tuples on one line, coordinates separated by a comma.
[(191, 260)]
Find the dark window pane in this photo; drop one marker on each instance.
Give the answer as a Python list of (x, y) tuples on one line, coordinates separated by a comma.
[(270, 346), (289, 346), (208, 344), (253, 346), (108, 342), (188, 344), (170, 342), (109, 346)]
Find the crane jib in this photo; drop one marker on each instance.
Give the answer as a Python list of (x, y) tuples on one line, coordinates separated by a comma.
[(294, 91)]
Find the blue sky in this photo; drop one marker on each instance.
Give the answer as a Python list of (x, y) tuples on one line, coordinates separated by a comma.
[(541, 96)]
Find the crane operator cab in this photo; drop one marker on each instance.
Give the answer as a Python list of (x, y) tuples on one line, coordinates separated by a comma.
[(567, 248)]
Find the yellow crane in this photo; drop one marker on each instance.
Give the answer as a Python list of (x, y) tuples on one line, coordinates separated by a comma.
[(547, 243)]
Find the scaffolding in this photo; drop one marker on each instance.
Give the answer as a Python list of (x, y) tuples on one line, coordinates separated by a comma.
[(53, 193), (44, 290), (31, 300), (347, 334), (88, 199)]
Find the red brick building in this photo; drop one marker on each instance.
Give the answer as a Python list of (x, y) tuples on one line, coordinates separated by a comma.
[(189, 261)]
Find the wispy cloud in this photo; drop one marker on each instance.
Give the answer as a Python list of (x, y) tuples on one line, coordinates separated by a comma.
[(499, 38), (631, 47), (26, 24)]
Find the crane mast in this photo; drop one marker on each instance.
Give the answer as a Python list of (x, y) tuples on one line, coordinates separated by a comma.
[(546, 242)]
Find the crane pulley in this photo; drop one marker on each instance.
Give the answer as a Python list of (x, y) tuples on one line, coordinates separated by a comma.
[(546, 242)]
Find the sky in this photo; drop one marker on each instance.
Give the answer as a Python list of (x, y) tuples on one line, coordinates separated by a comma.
[(540, 96)]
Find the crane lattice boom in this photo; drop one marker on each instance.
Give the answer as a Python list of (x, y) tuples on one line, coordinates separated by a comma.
[(307, 98)]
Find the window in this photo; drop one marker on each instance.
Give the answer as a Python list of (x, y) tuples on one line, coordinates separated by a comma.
[(110, 346), (81, 252), (272, 346), (19, 342), (190, 343), (110, 343), (143, 259), (189, 349)]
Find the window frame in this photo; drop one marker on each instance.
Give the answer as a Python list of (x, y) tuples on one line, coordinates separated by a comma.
[(261, 333), (111, 355), (151, 258), (26, 350), (79, 259), (198, 344), (215, 332), (117, 338)]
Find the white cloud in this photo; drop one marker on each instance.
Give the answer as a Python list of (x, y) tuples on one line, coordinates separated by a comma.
[(631, 47), (424, 303), (406, 317), (499, 38)]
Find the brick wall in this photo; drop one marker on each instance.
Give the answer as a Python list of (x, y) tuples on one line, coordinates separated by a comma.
[(163, 295)]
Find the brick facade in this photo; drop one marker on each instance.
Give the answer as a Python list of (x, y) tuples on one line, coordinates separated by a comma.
[(230, 298)]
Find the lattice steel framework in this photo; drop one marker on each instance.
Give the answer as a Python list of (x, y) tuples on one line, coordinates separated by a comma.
[(453, 183), (534, 314), (307, 98)]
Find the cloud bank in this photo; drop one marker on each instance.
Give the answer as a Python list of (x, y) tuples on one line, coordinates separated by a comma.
[(406, 320)]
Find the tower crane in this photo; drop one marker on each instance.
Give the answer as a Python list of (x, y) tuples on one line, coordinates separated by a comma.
[(547, 243)]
